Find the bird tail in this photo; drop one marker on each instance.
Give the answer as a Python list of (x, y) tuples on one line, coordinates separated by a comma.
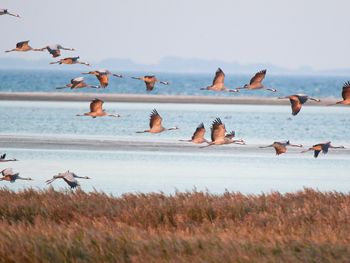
[(266, 146), (164, 82)]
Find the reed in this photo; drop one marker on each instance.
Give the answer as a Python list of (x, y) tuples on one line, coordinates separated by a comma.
[(66, 226)]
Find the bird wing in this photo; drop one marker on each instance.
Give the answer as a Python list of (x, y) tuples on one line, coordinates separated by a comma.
[(258, 77), (155, 119), (295, 104), (199, 133), (230, 135), (103, 79), (150, 82), (346, 91), (325, 147), (2, 157), (218, 130), (69, 178), (96, 105), (279, 148), (22, 44), (219, 77), (7, 171), (316, 153), (77, 80)]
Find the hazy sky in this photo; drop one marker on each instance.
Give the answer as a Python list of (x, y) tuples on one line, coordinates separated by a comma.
[(289, 33)]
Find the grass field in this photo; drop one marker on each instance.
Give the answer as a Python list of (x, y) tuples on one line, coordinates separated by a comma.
[(53, 226)]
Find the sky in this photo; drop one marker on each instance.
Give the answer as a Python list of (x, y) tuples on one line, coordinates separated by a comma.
[(286, 33)]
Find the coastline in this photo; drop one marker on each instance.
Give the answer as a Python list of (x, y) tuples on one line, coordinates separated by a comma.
[(151, 98)]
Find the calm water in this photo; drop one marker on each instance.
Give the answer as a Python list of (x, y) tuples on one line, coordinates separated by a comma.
[(181, 84), (118, 171)]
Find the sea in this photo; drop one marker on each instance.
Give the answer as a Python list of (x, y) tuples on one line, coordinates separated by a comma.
[(165, 164)]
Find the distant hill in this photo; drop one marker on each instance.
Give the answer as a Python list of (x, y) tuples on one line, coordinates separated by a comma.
[(171, 64)]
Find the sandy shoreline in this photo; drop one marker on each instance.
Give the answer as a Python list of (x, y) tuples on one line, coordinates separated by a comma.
[(141, 98), (97, 144)]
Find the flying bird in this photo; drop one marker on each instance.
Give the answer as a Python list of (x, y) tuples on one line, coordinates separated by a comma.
[(23, 46), (220, 136), (55, 50), (8, 175), (324, 147), (70, 60), (6, 12), (345, 94), (218, 82), (281, 147), (198, 135), (103, 76), (69, 178), (256, 82), (97, 111), (77, 83), (150, 81), (155, 124), (3, 159), (297, 101)]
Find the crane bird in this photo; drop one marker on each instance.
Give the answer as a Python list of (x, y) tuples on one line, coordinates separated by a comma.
[(324, 147), (6, 12), (345, 94), (77, 83), (8, 175), (150, 81), (97, 111), (256, 82), (219, 82), (281, 147), (220, 136), (70, 60), (102, 76), (155, 124), (3, 160), (297, 101), (55, 50), (23, 46), (69, 178), (198, 135)]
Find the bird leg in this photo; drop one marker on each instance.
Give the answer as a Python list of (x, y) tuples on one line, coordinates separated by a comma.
[(117, 75), (310, 149), (266, 146), (310, 98), (143, 131)]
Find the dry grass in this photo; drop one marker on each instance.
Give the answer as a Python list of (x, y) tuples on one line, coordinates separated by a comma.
[(51, 226)]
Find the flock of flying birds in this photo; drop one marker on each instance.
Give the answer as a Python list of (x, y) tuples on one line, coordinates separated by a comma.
[(219, 134)]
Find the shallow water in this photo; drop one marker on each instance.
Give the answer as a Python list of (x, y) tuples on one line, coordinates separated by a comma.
[(180, 84), (231, 167)]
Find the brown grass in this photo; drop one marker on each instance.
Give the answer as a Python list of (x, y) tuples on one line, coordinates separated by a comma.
[(52, 226)]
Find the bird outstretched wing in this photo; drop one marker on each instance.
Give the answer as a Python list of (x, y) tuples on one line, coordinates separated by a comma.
[(219, 77), (96, 105), (258, 77), (218, 130), (155, 119), (295, 104), (346, 91), (22, 44), (199, 133)]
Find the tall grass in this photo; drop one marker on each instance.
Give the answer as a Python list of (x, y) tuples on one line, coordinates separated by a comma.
[(53, 226)]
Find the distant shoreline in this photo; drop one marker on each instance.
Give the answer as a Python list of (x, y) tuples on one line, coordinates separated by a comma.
[(145, 98)]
